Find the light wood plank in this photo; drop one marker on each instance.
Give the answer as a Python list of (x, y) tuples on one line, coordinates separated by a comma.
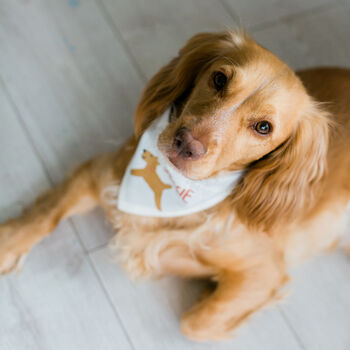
[(151, 311), (21, 173), (56, 303), (319, 308), (155, 30), (73, 84), (313, 40)]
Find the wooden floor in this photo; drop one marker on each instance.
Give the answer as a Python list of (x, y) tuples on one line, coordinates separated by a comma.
[(71, 73)]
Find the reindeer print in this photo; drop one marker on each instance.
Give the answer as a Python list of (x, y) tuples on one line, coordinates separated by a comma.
[(149, 174)]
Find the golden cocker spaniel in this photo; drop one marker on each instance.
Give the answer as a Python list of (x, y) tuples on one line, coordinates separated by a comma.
[(236, 106)]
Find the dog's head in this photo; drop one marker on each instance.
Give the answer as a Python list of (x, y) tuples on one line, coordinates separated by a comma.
[(237, 106)]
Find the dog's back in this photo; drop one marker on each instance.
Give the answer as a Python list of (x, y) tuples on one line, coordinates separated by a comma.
[(332, 87), (329, 222)]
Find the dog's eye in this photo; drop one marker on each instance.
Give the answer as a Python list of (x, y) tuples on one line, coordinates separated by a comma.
[(263, 127), (219, 80)]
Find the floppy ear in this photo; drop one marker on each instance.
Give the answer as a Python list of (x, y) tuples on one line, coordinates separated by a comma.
[(174, 82), (283, 184)]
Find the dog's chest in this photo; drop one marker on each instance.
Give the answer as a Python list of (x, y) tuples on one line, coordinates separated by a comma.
[(139, 240)]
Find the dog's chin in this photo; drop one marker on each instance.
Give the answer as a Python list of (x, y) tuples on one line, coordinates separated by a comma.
[(178, 163)]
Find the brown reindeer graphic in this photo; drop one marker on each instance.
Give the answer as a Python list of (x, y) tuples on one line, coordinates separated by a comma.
[(150, 175)]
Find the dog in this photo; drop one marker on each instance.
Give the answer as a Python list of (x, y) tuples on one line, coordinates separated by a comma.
[(236, 107)]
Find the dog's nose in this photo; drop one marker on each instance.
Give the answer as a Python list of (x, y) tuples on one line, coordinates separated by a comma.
[(187, 146)]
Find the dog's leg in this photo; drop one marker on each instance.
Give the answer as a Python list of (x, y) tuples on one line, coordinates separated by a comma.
[(17, 236), (237, 295), (179, 261), (78, 194)]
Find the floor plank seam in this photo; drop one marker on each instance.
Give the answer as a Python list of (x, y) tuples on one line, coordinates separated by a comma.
[(97, 248), (120, 39), (100, 281), (291, 328), (26, 132)]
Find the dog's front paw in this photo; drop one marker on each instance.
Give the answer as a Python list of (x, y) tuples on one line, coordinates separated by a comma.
[(136, 267), (11, 262), (132, 261), (12, 251), (198, 325)]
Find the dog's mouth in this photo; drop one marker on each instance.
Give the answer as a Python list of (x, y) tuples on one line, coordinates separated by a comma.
[(172, 157)]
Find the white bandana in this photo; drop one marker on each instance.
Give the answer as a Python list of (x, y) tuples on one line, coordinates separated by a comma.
[(152, 186)]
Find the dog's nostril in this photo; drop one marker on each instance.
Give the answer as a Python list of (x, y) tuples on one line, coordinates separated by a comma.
[(186, 146), (179, 138)]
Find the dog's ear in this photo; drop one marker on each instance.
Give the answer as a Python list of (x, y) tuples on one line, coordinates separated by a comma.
[(174, 82), (279, 186)]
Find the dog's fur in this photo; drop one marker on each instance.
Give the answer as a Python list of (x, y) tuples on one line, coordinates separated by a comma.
[(290, 203)]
